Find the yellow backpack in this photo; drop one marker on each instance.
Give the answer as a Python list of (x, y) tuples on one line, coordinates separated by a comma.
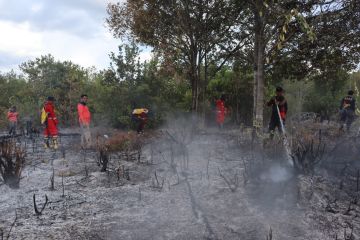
[(138, 111), (43, 116)]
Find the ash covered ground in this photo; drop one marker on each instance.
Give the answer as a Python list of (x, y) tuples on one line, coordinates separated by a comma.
[(184, 185)]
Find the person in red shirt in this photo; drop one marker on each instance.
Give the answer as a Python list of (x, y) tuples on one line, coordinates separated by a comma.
[(220, 111), (12, 117), (51, 130), (84, 121)]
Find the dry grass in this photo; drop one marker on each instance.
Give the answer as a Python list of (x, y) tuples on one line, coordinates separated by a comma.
[(307, 149)]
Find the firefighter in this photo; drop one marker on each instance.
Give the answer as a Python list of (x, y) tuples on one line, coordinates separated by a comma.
[(84, 121), (12, 117), (48, 118), (347, 110), (278, 101), (220, 111), (140, 116)]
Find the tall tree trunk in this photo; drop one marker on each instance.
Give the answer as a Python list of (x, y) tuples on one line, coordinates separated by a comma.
[(259, 51), (194, 79), (194, 92), (260, 85), (255, 84)]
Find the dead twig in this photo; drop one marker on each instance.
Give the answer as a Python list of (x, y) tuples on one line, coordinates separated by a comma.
[(52, 180), (63, 186), (38, 213), (270, 235), (233, 183), (12, 226), (157, 184)]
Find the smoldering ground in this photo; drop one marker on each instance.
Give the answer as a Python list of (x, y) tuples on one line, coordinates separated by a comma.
[(187, 184)]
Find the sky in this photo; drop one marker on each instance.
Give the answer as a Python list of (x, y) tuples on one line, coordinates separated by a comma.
[(67, 29)]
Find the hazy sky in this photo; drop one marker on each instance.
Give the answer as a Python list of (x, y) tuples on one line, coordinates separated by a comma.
[(68, 29)]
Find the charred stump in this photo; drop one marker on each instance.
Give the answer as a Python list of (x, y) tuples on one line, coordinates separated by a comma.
[(12, 160)]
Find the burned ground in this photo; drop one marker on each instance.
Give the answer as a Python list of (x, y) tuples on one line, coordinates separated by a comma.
[(184, 185)]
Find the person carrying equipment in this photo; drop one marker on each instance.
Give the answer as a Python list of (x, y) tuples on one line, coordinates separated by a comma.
[(84, 121), (50, 122), (279, 109), (12, 117), (140, 116), (347, 110), (220, 111)]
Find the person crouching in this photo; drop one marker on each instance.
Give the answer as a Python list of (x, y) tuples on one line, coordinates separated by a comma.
[(140, 116)]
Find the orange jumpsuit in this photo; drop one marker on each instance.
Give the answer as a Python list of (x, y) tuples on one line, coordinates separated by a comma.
[(51, 122), (220, 111)]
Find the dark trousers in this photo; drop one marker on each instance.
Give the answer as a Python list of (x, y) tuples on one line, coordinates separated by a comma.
[(346, 117), (275, 123), (12, 128), (139, 123), (29, 128)]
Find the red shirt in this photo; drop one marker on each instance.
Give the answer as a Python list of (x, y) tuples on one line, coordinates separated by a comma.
[(84, 114), (12, 116), (220, 106), (50, 110)]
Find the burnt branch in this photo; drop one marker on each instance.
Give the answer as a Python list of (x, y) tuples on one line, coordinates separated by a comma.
[(38, 213), (269, 236), (52, 180), (12, 162), (157, 184), (11, 228), (232, 183), (307, 152)]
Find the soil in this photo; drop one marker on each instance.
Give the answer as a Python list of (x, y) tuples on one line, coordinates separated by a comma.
[(208, 185)]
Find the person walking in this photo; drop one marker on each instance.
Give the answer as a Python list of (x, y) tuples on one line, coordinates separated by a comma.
[(12, 117), (84, 121), (50, 122), (220, 111), (347, 110)]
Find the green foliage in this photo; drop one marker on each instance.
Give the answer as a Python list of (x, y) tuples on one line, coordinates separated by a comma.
[(14, 92), (236, 84), (355, 85), (138, 85), (64, 80), (326, 92)]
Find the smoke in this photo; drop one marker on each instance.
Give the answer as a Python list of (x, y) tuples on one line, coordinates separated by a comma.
[(192, 200), (277, 173)]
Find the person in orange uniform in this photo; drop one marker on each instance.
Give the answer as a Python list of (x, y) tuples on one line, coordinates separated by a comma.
[(84, 121), (12, 117), (220, 111), (51, 130)]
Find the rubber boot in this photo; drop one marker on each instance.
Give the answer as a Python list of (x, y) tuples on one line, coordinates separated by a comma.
[(46, 143), (55, 143)]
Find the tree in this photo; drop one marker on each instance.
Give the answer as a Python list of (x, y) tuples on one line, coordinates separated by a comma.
[(190, 32), (137, 85), (63, 80), (281, 27)]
